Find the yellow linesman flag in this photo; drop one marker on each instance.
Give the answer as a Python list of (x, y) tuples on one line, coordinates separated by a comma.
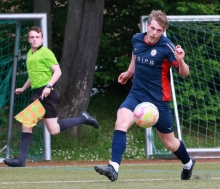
[(31, 114)]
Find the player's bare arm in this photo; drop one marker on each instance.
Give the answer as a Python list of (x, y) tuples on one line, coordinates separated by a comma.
[(183, 67), (56, 75), (123, 77), (25, 86)]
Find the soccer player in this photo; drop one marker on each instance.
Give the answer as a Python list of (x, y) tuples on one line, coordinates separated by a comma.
[(153, 55), (43, 72)]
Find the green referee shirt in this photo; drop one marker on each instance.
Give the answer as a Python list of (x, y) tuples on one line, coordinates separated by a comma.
[(39, 66)]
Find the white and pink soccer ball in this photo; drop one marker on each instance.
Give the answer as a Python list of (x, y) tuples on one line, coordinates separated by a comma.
[(146, 114)]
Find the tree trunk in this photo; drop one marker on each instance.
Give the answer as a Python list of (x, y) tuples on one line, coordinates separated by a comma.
[(80, 51), (44, 6)]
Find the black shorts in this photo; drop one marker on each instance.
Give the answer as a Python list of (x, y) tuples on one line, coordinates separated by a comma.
[(50, 103)]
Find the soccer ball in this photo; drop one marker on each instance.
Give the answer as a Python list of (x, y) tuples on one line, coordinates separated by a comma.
[(146, 114)]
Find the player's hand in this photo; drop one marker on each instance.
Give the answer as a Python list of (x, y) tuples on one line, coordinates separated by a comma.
[(19, 91), (123, 77), (179, 53), (45, 93)]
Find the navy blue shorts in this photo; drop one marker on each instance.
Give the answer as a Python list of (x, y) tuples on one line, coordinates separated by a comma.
[(165, 121), (50, 103)]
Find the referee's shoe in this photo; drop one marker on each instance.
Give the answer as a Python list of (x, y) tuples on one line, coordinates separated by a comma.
[(186, 174), (89, 120)]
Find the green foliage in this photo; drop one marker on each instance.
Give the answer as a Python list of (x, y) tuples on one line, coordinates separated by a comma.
[(198, 8), (200, 61), (17, 6), (59, 14), (121, 22), (198, 94)]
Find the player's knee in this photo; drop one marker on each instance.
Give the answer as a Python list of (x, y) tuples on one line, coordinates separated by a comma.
[(54, 130), (118, 122), (121, 125), (169, 145)]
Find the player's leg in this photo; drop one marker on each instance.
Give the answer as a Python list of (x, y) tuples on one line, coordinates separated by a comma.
[(124, 121), (179, 149), (165, 131), (26, 139), (56, 126), (84, 118)]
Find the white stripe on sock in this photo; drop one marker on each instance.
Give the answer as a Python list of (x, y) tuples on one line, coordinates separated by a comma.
[(115, 165), (188, 165)]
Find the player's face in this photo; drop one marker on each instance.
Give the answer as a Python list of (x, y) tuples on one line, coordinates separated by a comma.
[(154, 31), (35, 39)]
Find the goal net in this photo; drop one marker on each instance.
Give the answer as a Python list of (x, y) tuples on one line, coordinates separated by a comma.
[(13, 73), (196, 98)]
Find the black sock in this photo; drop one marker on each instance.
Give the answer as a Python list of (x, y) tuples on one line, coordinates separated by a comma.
[(70, 122), (26, 139), (182, 154)]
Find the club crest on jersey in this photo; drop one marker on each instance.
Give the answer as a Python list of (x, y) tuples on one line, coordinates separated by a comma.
[(153, 52)]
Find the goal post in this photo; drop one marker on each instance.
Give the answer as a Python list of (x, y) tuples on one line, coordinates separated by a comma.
[(196, 98), (13, 24)]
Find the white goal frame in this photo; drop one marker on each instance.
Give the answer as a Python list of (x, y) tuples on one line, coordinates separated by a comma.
[(194, 152), (42, 18)]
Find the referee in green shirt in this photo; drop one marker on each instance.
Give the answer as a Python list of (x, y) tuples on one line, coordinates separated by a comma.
[(43, 72)]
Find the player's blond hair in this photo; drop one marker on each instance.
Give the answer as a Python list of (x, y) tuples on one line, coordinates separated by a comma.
[(160, 17)]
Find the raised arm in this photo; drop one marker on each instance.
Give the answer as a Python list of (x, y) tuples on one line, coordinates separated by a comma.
[(183, 67), (124, 76)]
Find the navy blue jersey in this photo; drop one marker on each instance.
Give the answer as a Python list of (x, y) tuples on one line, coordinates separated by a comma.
[(152, 65)]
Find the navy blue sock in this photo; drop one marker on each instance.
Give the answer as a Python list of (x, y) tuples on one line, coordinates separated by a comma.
[(26, 139), (182, 154), (70, 122), (118, 145)]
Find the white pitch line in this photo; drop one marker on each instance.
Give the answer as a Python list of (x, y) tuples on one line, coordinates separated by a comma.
[(92, 181)]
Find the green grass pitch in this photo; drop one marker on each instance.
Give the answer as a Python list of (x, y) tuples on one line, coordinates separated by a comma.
[(131, 176)]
